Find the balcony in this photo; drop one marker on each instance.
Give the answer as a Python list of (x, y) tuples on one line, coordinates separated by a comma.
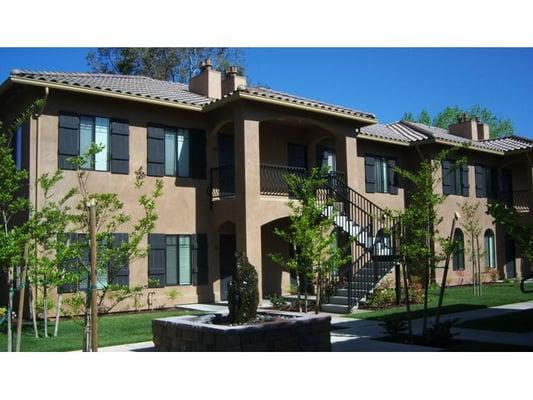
[(273, 183), (521, 200)]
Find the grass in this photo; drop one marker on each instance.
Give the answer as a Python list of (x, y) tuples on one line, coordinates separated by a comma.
[(456, 299), (112, 330), (519, 321)]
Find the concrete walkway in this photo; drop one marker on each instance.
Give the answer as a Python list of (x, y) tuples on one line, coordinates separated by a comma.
[(350, 334)]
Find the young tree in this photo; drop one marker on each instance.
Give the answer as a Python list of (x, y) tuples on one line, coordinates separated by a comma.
[(178, 64), (310, 234), (113, 251), (472, 228), (418, 222), (13, 203)]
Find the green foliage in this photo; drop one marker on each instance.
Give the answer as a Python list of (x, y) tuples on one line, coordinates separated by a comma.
[(278, 302), (243, 293), (519, 230), (173, 294), (381, 298), (178, 64), (449, 115), (310, 232), (440, 334), (154, 283), (394, 327)]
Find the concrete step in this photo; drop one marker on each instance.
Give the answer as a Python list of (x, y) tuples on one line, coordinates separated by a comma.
[(335, 308), (338, 300)]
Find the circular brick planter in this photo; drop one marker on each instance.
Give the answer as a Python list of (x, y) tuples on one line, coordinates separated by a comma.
[(294, 332)]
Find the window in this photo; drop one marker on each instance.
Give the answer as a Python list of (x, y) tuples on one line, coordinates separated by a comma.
[(490, 249), (380, 176), (94, 130), (459, 252), (178, 260), (486, 181), (177, 148), (454, 179), (17, 148)]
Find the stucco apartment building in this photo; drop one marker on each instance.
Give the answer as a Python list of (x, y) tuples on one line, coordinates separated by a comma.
[(222, 148)]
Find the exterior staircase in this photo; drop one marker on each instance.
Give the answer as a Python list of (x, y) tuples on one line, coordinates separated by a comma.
[(373, 251)]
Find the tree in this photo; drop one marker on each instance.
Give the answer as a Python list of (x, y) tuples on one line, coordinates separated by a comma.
[(418, 223), (13, 203), (112, 254), (177, 64), (472, 227), (310, 234), (449, 115)]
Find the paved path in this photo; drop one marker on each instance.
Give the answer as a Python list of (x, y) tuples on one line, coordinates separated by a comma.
[(350, 334)]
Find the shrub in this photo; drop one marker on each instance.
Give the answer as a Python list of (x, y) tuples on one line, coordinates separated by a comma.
[(173, 294), (440, 334), (243, 294), (278, 302), (154, 283), (416, 293), (381, 297), (394, 327)]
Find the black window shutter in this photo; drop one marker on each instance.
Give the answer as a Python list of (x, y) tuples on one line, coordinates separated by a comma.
[(120, 147), (481, 188), (156, 151), (393, 176), (70, 265), (465, 186), (122, 276), (494, 182), (197, 157), (68, 139), (448, 181), (370, 174), (157, 258), (200, 265)]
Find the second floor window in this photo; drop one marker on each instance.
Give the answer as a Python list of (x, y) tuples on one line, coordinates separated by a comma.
[(380, 176), (486, 181), (177, 151), (95, 130), (454, 179)]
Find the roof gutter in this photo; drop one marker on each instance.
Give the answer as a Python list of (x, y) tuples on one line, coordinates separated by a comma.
[(383, 140), (79, 89), (247, 96)]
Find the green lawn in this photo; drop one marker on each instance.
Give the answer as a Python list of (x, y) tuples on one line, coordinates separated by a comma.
[(112, 330), (457, 299), (519, 321)]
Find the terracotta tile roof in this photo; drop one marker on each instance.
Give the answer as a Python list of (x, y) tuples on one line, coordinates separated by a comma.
[(140, 86), (412, 132)]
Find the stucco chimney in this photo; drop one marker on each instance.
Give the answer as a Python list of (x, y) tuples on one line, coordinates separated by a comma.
[(483, 132), (207, 82), (232, 81), (465, 127)]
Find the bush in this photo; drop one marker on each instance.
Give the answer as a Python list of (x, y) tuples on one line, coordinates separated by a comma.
[(394, 327), (381, 298), (243, 294), (440, 334), (278, 302)]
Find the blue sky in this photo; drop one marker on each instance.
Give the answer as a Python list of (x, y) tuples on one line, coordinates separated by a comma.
[(386, 81)]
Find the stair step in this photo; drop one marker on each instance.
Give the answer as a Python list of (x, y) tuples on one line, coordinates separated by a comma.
[(335, 308), (338, 300)]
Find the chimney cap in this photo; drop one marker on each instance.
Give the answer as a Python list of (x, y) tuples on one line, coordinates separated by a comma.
[(206, 64), (233, 70)]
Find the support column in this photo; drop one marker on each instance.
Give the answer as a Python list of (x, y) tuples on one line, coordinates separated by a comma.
[(247, 188)]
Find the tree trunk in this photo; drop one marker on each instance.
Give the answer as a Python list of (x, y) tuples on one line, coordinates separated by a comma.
[(22, 294), (444, 276), (58, 311), (10, 310), (426, 292), (407, 302), (299, 284), (45, 310), (318, 289), (32, 310), (87, 322), (305, 293)]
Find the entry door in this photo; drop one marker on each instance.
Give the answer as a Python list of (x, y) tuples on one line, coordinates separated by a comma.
[(227, 250), (327, 158), (226, 164), (510, 263)]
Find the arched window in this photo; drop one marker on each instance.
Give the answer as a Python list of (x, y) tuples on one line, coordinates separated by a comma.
[(490, 249), (383, 244), (459, 253)]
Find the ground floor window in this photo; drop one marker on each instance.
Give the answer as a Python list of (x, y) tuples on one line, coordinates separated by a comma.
[(459, 252), (490, 249), (178, 260)]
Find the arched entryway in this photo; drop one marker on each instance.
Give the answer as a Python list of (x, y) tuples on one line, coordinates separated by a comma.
[(275, 279)]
